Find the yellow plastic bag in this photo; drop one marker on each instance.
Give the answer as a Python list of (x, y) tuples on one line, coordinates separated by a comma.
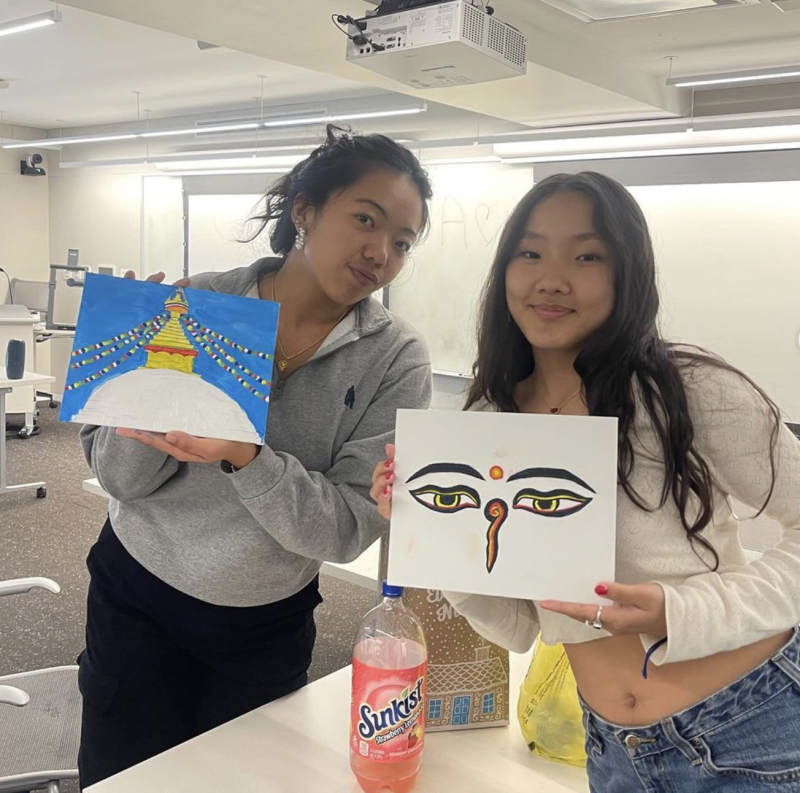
[(548, 710)]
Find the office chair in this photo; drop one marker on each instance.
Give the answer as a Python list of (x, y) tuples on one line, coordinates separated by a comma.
[(40, 715)]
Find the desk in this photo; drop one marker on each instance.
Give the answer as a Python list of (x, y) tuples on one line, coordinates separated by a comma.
[(299, 744), (362, 571), (28, 380), (16, 322)]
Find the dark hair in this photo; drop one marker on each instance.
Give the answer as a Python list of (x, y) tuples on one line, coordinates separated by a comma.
[(625, 354), (334, 166)]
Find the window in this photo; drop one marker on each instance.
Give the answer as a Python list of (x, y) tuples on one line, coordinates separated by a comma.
[(434, 709), (488, 703), (461, 710)]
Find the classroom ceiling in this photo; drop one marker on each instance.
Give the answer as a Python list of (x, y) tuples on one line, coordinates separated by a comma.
[(86, 69)]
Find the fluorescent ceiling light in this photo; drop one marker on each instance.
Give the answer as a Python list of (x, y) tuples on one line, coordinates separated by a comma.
[(710, 141), (406, 111), (227, 172), (461, 160), (189, 159), (230, 163), (633, 154), (30, 23), (328, 119), (297, 121), (165, 133), (44, 143), (749, 76)]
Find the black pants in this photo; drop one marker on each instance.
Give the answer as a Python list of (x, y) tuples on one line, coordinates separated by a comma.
[(161, 667)]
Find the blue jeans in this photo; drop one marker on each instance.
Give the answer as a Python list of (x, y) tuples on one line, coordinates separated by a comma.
[(744, 738)]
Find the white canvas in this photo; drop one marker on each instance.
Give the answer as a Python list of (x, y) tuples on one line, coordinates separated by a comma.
[(515, 505)]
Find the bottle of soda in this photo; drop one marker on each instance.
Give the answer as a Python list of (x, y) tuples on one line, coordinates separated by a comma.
[(387, 718)]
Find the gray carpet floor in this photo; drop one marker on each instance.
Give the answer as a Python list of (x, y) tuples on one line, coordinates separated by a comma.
[(52, 536)]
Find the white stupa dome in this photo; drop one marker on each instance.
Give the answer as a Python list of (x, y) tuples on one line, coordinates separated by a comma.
[(160, 400)]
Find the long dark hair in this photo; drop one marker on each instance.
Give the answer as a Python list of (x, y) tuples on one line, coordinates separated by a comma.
[(624, 355), (341, 160)]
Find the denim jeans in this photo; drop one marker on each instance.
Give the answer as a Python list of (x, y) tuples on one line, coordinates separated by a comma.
[(744, 738)]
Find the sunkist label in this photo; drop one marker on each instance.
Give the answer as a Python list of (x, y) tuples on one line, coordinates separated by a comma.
[(387, 718)]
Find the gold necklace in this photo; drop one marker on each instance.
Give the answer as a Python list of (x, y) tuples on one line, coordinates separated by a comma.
[(556, 410), (284, 362)]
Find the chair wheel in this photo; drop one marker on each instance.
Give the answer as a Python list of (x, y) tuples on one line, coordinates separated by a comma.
[(41, 492)]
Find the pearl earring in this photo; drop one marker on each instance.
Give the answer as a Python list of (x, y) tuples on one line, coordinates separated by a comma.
[(300, 241)]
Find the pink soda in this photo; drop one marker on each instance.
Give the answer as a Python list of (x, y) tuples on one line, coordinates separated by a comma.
[(387, 718)]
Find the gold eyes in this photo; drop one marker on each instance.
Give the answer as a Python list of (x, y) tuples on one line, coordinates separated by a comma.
[(447, 499), (551, 505)]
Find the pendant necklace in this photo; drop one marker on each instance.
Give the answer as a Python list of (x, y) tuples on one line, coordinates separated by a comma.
[(556, 410), (283, 362)]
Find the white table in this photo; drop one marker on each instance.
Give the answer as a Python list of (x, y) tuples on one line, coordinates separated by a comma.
[(362, 571), (28, 380), (299, 744)]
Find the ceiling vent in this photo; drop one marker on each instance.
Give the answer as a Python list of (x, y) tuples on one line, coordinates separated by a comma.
[(786, 5), (608, 10)]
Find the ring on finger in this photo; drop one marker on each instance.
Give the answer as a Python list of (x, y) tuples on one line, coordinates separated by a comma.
[(597, 622)]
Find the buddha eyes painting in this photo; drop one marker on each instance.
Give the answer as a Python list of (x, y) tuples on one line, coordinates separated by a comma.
[(159, 358), (504, 504)]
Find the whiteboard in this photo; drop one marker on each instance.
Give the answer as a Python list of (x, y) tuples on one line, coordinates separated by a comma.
[(440, 288), (162, 227), (216, 224), (728, 258)]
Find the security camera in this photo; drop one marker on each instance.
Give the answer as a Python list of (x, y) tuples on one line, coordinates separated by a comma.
[(30, 166)]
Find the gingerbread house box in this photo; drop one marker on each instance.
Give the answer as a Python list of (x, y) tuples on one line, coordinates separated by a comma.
[(467, 675)]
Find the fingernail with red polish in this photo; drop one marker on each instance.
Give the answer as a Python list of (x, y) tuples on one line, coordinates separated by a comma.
[(388, 464), (601, 589), (386, 490)]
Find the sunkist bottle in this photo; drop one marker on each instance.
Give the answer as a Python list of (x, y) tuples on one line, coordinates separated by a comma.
[(387, 719)]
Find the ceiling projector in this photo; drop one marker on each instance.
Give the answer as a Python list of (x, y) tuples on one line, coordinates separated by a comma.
[(439, 45)]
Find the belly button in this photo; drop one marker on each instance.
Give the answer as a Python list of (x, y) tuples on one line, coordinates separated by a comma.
[(629, 701)]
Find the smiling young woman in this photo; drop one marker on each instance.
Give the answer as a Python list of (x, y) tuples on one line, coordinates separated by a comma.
[(205, 577), (690, 672)]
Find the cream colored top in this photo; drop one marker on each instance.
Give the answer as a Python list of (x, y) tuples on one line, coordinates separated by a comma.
[(707, 612)]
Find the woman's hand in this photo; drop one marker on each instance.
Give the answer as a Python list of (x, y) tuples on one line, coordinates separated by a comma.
[(634, 609), (382, 480), (190, 449), (157, 278)]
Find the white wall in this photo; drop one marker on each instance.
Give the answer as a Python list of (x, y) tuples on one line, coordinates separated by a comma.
[(98, 213), (24, 221)]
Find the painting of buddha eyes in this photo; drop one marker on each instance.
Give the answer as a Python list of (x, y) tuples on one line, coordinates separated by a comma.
[(504, 504)]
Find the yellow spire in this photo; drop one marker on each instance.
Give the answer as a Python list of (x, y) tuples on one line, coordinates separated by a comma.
[(170, 349)]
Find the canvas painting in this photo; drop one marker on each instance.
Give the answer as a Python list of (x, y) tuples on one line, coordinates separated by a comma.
[(514, 505), (160, 358)]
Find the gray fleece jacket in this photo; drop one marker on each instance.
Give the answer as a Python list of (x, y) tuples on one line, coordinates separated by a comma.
[(260, 534)]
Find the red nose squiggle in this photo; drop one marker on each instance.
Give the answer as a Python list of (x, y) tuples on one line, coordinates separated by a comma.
[(496, 511)]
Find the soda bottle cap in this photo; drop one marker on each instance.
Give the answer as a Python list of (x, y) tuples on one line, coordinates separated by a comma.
[(389, 591)]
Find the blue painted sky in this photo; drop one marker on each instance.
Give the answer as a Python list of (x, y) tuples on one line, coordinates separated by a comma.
[(111, 306)]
